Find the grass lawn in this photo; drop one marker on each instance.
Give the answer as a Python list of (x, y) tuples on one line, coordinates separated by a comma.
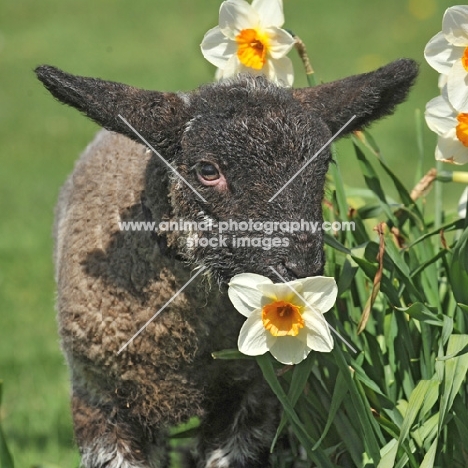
[(152, 45)]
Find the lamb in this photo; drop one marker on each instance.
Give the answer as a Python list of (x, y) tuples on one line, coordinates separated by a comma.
[(235, 143)]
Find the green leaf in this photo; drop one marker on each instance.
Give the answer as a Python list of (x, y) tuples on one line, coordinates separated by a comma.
[(339, 393), (429, 458), (364, 378), (372, 180), (370, 211), (370, 142), (388, 453), (386, 286), (417, 271), (269, 374), (299, 379), (459, 269), (420, 128), (431, 397), (318, 456), (350, 436), (422, 313), (403, 460), (392, 253), (348, 272), (458, 353), (341, 201), (404, 355), (230, 354), (461, 418), (187, 434), (428, 430), (424, 389), (447, 329), (452, 226), (390, 427), (362, 408), (185, 430), (332, 242), (455, 370), (401, 189)]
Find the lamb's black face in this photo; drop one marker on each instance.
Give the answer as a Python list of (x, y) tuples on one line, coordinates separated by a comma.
[(255, 168)]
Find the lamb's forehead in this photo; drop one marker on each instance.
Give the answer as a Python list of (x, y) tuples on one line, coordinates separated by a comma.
[(246, 116), (242, 94)]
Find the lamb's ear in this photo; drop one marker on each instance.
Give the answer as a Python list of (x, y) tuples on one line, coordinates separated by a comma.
[(368, 96), (156, 115)]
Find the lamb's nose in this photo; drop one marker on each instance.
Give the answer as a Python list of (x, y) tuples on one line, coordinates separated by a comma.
[(291, 271), (295, 269)]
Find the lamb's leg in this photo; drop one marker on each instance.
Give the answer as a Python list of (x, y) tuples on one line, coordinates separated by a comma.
[(240, 426), (108, 439)]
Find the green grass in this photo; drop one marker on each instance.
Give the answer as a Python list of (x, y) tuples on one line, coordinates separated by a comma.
[(154, 45)]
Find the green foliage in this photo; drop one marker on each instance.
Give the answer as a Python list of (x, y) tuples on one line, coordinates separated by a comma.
[(402, 398)]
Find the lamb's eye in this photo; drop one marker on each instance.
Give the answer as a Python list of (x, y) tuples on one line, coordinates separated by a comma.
[(208, 171)]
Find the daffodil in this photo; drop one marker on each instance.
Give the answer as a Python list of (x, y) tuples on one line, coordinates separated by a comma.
[(249, 39), (451, 127), (286, 318), (447, 52)]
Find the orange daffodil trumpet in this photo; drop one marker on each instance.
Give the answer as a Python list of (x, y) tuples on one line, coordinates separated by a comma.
[(249, 39), (452, 130), (285, 319)]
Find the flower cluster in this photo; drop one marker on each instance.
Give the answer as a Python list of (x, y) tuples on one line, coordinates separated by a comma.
[(285, 319), (249, 39), (447, 114)]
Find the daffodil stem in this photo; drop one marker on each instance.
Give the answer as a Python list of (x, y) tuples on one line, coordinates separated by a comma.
[(302, 51), (438, 199)]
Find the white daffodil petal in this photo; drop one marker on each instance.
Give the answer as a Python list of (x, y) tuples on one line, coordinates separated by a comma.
[(289, 350), (462, 204), (217, 48), (451, 149), (253, 337), (320, 292), (236, 15), (270, 12), (280, 71), (281, 42), (440, 54), (241, 299), (455, 25), (319, 342), (219, 74), (440, 115), (282, 291), (442, 81), (232, 68), (457, 87), (318, 332), (243, 292), (249, 279)]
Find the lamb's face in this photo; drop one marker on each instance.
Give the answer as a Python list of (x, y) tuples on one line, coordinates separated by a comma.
[(238, 143), (253, 158)]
